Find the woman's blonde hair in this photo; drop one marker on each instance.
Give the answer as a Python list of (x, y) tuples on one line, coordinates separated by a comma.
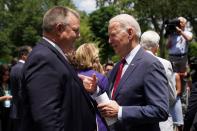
[(87, 56)]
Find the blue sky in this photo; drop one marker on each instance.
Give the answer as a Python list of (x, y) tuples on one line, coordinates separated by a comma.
[(85, 5)]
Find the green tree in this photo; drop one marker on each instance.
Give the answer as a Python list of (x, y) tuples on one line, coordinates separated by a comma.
[(86, 35), (21, 22), (5, 43), (153, 14), (102, 3), (188, 8), (98, 21), (193, 49)]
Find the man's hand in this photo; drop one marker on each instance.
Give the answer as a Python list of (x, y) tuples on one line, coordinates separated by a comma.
[(109, 109), (178, 30), (90, 83), (181, 32), (3, 98), (8, 97)]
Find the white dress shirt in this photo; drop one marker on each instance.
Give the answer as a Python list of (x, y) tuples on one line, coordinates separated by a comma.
[(128, 59)]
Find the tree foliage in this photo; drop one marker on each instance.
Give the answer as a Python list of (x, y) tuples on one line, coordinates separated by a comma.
[(21, 22), (86, 35), (153, 14), (98, 21)]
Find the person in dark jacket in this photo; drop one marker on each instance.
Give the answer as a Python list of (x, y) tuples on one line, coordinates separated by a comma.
[(54, 98), (5, 96), (15, 83)]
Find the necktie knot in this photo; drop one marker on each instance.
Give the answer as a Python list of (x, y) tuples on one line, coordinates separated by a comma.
[(123, 61)]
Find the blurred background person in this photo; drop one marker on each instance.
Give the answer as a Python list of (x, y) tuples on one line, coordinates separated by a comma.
[(190, 119), (88, 64), (5, 95), (108, 67), (176, 110), (13, 61), (177, 45), (150, 42), (87, 56), (15, 84)]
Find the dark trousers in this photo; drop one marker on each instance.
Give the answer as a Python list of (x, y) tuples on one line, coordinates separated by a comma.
[(179, 63), (16, 123), (5, 120)]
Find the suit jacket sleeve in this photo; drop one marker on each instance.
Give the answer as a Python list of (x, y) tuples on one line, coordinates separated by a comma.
[(171, 80), (156, 96)]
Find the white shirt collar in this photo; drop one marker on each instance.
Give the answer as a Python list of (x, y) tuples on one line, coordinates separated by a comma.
[(132, 54), (56, 47), (22, 61)]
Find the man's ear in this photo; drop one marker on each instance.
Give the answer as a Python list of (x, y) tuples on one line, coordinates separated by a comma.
[(154, 50), (60, 28), (130, 32)]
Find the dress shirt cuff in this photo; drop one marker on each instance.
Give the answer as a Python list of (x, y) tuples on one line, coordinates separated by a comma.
[(95, 94), (120, 113)]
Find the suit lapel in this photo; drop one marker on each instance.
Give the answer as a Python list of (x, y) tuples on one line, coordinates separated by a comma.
[(73, 73), (134, 63), (65, 62)]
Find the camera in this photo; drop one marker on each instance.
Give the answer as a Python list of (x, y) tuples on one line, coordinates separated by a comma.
[(170, 26)]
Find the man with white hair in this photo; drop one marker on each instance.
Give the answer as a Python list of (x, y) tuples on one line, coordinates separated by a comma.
[(150, 42), (137, 84), (178, 46)]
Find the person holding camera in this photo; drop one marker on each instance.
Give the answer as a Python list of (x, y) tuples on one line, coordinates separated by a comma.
[(178, 42), (178, 46)]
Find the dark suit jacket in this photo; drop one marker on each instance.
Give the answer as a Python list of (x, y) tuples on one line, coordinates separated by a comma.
[(15, 82), (54, 96), (142, 93), (190, 120)]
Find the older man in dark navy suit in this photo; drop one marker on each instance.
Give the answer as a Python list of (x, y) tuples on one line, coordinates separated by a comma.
[(138, 85)]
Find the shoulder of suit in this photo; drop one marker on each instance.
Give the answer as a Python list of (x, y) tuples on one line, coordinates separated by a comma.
[(149, 60), (40, 50), (149, 57), (17, 65)]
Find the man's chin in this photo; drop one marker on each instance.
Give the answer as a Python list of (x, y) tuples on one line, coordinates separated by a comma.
[(117, 52)]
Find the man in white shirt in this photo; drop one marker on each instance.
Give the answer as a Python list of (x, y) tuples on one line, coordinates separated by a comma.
[(150, 42), (177, 45)]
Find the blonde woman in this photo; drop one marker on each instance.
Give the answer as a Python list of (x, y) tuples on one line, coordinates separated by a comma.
[(87, 57)]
